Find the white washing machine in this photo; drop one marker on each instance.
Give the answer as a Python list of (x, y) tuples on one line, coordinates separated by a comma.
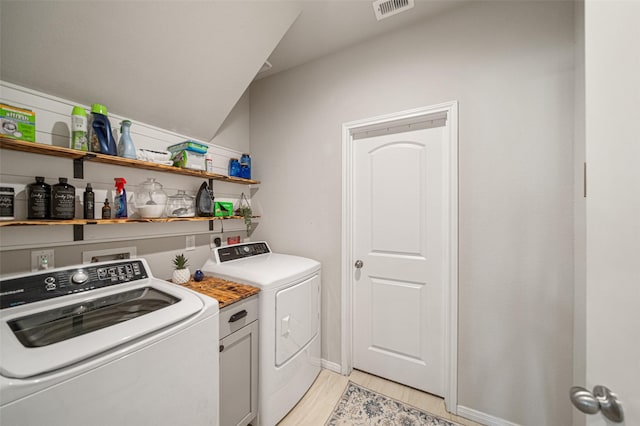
[(106, 344), (289, 320)]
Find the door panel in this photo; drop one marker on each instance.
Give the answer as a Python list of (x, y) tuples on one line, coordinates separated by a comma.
[(403, 160), (613, 202), (400, 236), (400, 334)]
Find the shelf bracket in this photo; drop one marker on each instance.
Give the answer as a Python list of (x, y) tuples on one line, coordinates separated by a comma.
[(78, 168), (78, 232), (211, 191)]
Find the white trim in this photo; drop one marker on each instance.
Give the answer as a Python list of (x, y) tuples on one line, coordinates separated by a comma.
[(451, 296), (332, 366), (483, 418)]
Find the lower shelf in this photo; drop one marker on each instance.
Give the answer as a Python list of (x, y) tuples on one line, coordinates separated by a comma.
[(78, 224), (27, 222)]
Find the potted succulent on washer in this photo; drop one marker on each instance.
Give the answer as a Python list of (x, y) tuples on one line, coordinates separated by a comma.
[(181, 274)]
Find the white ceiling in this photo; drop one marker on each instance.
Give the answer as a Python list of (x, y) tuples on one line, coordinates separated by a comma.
[(326, 26), (180, 65)]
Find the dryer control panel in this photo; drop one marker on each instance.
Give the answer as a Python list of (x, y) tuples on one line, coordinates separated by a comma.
[(64, 281), (240, 251)]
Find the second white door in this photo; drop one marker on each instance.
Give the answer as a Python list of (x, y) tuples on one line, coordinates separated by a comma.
[(400, 237)]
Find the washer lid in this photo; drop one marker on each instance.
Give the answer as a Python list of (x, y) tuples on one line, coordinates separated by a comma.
[(265, 270), (47, 336)]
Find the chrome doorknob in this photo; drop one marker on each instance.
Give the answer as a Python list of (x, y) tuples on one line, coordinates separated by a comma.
[(602, 399), (359, 264)]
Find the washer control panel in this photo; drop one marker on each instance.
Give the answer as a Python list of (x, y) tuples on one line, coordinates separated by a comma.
[(240, 251), (61, 282)]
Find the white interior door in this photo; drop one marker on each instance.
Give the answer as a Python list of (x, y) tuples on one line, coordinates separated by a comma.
[(400, 236), (612, 74)]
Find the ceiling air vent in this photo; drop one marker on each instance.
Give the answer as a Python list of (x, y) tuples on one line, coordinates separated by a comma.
[(386, 8)]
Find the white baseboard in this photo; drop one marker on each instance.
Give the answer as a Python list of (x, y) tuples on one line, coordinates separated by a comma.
[(482, 418), (335, 367)]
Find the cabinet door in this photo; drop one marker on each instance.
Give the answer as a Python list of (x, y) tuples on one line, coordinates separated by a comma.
[(239, 376)]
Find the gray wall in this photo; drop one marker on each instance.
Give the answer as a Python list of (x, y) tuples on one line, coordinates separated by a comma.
[(510, 66)]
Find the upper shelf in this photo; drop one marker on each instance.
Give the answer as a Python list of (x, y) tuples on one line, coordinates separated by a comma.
[(56, 151)]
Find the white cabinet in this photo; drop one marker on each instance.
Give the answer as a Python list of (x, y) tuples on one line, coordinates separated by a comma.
[(239, 363)]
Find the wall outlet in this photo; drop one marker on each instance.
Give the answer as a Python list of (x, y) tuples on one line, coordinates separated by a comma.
[(214, 241), (191, 242), (42, 259)]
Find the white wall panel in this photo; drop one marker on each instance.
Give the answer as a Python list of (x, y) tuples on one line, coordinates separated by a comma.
[(19, 169)]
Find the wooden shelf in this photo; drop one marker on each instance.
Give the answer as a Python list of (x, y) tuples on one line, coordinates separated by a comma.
[(56, 151), (53, 222), (79, 157)]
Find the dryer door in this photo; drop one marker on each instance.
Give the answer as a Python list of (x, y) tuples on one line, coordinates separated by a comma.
[(297, 317)]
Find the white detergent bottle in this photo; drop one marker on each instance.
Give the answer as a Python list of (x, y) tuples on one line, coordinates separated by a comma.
[(79, 129)]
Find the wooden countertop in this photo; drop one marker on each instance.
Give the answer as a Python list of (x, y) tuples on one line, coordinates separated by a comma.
[(225, 292)]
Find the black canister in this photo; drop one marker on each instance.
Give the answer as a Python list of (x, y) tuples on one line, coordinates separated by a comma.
[(7, 197), (63, 200), (39, 199)]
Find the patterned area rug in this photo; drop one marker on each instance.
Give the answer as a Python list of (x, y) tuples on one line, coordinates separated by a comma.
[(362, 406)]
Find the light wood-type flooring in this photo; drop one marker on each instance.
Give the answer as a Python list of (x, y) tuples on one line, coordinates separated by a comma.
[(318, 403)]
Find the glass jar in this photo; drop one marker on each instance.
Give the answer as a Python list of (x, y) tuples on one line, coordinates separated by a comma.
[(181, 205), (150, 200)]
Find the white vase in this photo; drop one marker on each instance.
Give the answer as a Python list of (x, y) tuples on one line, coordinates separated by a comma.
[(181, 276)]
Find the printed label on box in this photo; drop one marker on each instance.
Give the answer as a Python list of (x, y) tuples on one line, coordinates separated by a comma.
[(222, 208), (17, 123)]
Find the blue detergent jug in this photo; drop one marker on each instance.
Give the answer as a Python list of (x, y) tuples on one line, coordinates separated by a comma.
[(100, 136)]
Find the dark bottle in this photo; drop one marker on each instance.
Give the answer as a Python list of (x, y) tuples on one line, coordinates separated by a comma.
[(106, 209), (63, 200), (89, 202), (39, 199), (204, 201)]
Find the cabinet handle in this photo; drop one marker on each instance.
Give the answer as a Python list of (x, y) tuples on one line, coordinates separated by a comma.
[(221, 347), (238, 316)]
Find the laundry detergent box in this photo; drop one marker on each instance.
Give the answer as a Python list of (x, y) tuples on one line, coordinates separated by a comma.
[(17, 123), (222, 208), (189, 160)]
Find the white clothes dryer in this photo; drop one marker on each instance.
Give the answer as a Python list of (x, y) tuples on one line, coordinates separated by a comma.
[(289, 320)]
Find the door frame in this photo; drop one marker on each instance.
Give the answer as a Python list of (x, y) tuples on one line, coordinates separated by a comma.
[(450, 165)]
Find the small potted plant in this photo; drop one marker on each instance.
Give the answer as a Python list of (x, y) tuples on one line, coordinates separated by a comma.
[(181, 274), (244, 210)]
